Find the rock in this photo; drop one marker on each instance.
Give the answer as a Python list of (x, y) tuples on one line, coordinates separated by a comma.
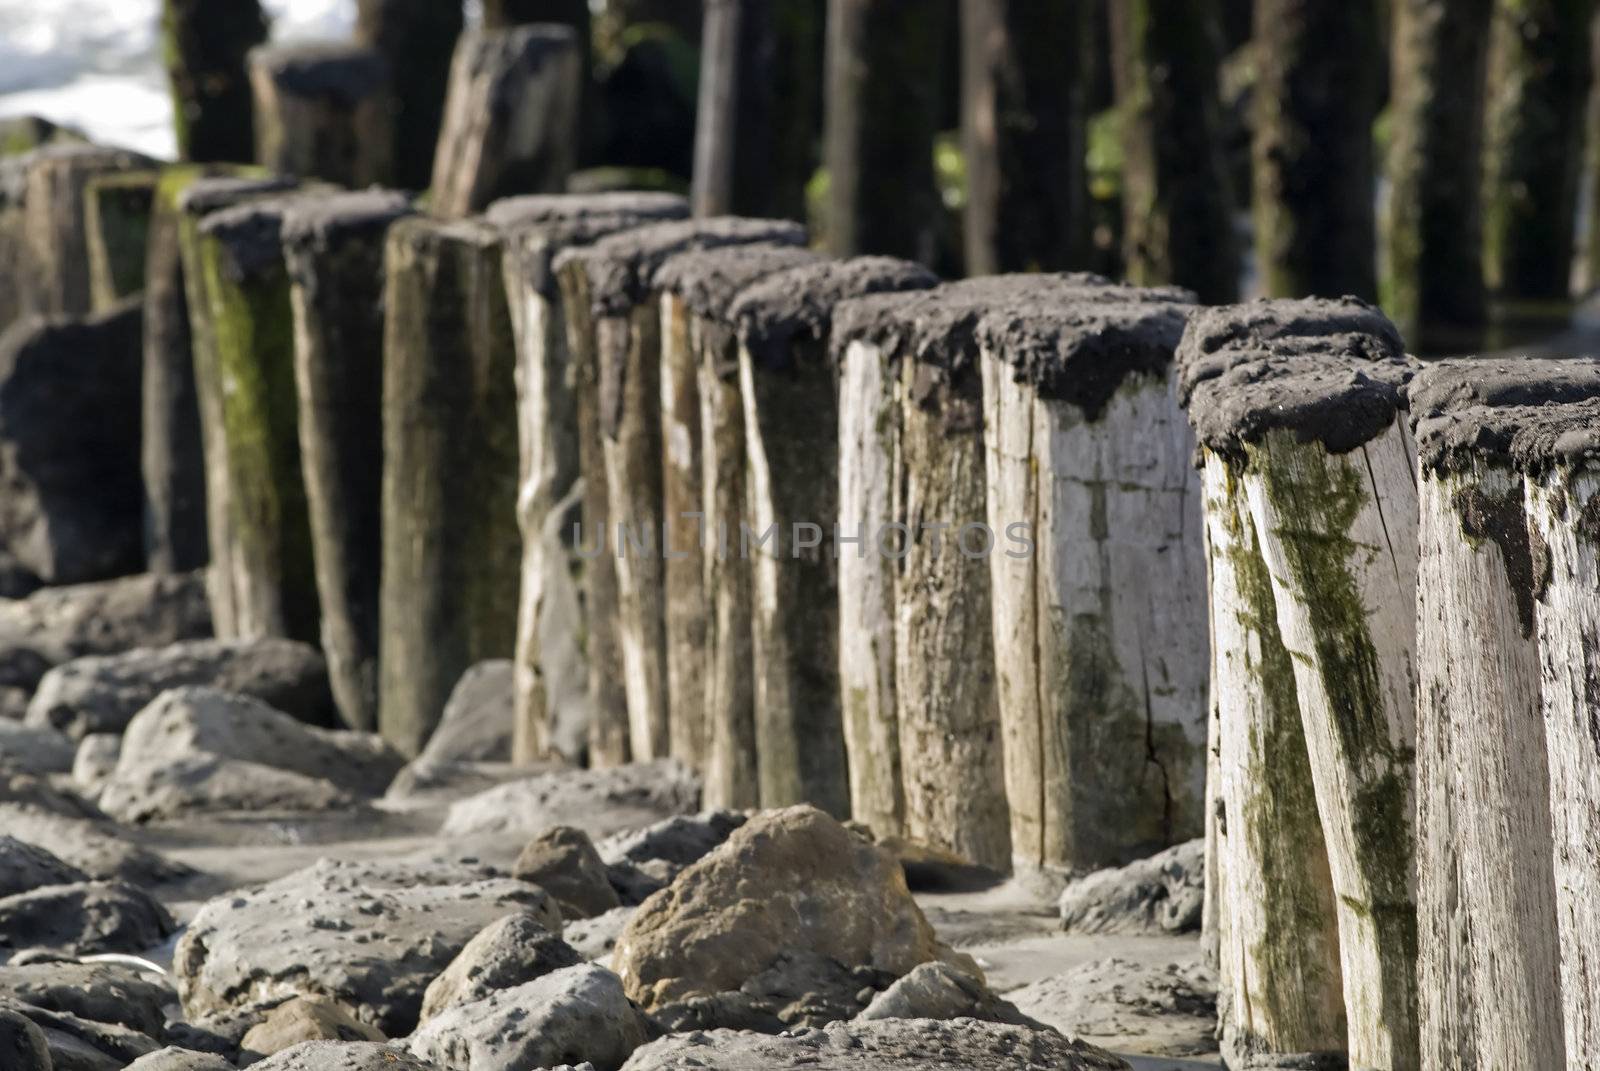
[(147, 790), (793, 881), (25, 867), (574, 1015), (506, 953), (99, 992), (1161, 894), (939, 991), (94, 847), (564, 863), (95, 760), (342, 1056), (643, 861), (368, 935), (84, 917), (22, 1045), (205, 721), (176, 1059), (599, 802), (877, 1045), (799, 989), (305, 1019), (102, 693), (596, 938), (21, 789), (1166, 1010), (69, 445), (477, 720), (425, 780), (78, 1044), (36, 749), (724, 1011)]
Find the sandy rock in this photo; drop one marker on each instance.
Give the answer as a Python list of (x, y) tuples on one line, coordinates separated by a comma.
[(146, 790), (343, 1056), (878, 1045), (793, 880), (95, 847), (370, 936), (176, 1059), (99, 992), (563, 862), (102, 693), (95, 761), (423, 780), (306, 1019), (22, 1045), (596, 938), (22, 789), (78, 1044), (83, 918), (36, 749), (573, 1015), (599, 802), (506, 953), (25, 867), (477, 720), (1161, 894), (940, 991), (1165, 1011)]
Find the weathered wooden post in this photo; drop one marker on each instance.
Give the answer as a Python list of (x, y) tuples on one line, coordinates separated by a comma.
[(1099, 619), (510, 120), (246, 286), (334, 252), (1300, 404), (324, 111), (56, 279), (450, 539), (198, 198), (627, 402), (417, 37), (696, 290), (551, 681), (117, 210), (205, 46), (1489, 953)]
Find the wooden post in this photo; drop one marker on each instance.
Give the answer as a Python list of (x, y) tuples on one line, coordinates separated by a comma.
[(510, 120), (1099, 620), (205, 46), (55, 281), (417, 37), (1489, 954), (247, 295), (450, 539), (117, 226), (881, 115), (1312, 148), (13, 244), (696, 288), (196, 198), (1304, 399), (551, 680), (627, 348), (501, 14), (324, 111), (334, 251)]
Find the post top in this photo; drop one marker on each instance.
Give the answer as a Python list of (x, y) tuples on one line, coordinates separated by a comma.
[(87, 154), (212, 192), (1531, 413), (343, 69), (530, 209), (423, 232), (488, 50), (314, 221), (251, 234), (709, 280)]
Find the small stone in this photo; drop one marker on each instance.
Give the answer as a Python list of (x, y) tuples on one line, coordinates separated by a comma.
[(477, 719), (306, 1019), (564, 863), (22, 1045), (1161, 894), (96, 760), (506, 953), (25, 867), (84, 918), (178, 1059)]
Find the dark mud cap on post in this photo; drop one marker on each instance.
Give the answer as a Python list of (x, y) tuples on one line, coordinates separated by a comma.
[(251, 234), (316, 221), (1529, 412), (334, 70), (622, 267), (209, 194), (535, 208), (709, 280)]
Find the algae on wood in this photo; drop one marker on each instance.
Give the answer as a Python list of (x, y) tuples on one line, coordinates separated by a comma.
[(117, 211)]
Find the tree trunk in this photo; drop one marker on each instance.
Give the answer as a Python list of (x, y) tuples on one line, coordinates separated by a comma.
[(334, 248), (510, 120), (324, 111), (205, 46), (417, 38), (56, 277), (1538, 84), (117, 221), (1177, 209), (1435, 227), (247, 294), (882, 113), (1316, 96), (450, 539)]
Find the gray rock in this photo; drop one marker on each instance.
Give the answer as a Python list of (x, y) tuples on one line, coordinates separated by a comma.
[(506, 953), (878, 1045), (305, 1019), (423, 781), (368, 935), (36, 749), (1161, 894), (95, 761), (644, 861), (22, 789), (939, 991), (477, 720), (176, 1059), (99, 992), (25, 867), (161, 789), (573, 1015), (798, 989), (84, 918), (564, 863), (1168, 1010), (599, 802), (596, 938), (78, 1044), (102, 693), (95, 847), (22, 1045), (343, 1056)]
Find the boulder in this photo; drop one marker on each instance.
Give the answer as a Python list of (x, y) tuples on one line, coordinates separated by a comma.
[(102, 693), (477, 720), (596, 938), (99, 992), (73, 510), (574, 1015), (176, 1059), (940, 991), (22, 1045), (564, 863), (148, 790), (877, 1045), (798, 989), (95, 847), (305, 1019), (599, 802), (370, 936), (36, 749), (83, 918), (78, 1044), (506, 953), (788, 881), (25, 867), (342, 1056), (95, 761), (18, 788), (1161, 894), (643, 861), (1164, 1010)]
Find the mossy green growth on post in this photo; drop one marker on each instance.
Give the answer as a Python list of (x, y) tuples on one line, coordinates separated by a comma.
[(117, 212)]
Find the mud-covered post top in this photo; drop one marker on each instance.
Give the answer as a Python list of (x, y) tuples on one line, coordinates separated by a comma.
[(339, 72), (1526, 413), (207, 195), (250, 235), (313, 223), (708, 281), (539, 226)]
